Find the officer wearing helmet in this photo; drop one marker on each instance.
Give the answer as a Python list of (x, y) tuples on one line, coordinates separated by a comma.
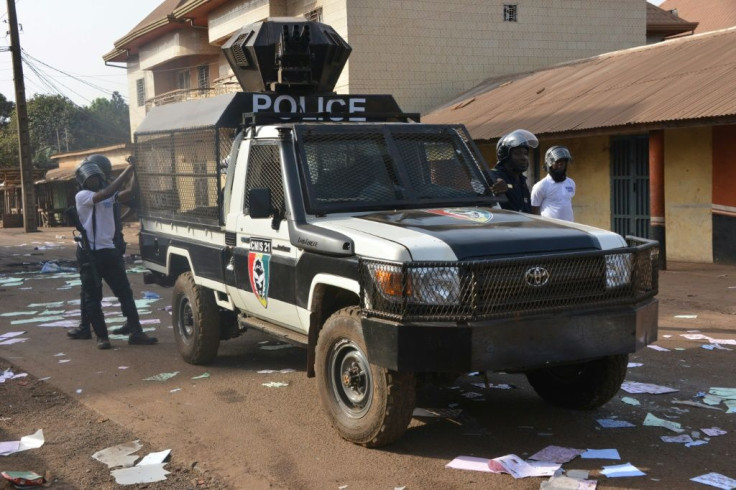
[(507, 176), (552, 196), (95, 204)]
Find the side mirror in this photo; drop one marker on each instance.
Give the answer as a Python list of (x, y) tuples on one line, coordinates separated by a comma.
[(259, 203)]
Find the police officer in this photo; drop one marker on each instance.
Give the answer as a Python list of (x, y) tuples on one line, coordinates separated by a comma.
[(83, 330), (552, 196), (507, 177), (95, 206)]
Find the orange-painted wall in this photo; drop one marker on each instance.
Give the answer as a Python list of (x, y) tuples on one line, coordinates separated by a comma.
[(724, 165)]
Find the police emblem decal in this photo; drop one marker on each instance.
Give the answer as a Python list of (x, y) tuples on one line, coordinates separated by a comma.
[(259, 265)]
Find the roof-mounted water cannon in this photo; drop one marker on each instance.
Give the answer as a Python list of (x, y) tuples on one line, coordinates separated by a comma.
[(286, 54)]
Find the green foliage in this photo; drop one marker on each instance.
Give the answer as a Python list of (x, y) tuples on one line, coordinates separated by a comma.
[(57, 125)]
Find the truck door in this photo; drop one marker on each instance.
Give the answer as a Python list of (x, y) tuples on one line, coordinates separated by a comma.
[(264, 259)]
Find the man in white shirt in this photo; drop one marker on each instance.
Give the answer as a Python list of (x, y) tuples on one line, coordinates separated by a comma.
[(552, 196), (102, 260)]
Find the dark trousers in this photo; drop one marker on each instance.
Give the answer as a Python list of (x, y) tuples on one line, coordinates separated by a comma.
[(106, 264)]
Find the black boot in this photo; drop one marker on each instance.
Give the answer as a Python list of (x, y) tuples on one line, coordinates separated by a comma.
[(140, 338), (81, 332)]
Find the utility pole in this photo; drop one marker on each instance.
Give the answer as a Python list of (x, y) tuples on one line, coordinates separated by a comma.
[(24, 144)]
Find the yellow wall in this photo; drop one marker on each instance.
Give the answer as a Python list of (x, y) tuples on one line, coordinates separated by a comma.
[(688, 194)]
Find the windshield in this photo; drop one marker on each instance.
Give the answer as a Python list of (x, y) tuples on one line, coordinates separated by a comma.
[(353, 167)]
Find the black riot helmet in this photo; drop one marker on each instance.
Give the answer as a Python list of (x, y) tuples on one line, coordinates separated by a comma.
[(520, 138), (85, 170), (102, 162), (556, 153)]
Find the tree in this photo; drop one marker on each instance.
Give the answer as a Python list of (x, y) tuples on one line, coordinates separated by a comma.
[(57, 125)]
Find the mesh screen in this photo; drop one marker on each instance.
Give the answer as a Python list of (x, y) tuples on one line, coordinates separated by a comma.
[(179, 176), (360, 167), (477, 290), (264, 171)]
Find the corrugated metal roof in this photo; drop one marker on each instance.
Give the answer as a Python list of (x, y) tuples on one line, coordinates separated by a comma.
[(711, 15), (663, 22), (683, 79)]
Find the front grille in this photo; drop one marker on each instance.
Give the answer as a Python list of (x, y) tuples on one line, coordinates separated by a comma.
[(496, 288)]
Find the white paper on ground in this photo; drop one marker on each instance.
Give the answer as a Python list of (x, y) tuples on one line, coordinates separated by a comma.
[(682, 438), (725, 393), (636, 387), (563, 482), (120, 455), (658, 347), (600, 454), (622, 470), (654, 421), (518, 468), (140, 474), (154, 458), (714, 431), (614, 424), (716, 480), (9, 447), (556, 454), (33, 441), (14, 340), (630, 401), (469, 463), (8, 335)]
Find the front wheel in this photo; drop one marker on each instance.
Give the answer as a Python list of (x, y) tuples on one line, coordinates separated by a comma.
[(581, 386), (367, 404), (196, 321)]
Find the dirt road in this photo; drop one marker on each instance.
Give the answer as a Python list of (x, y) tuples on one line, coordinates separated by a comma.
[(239, 431)]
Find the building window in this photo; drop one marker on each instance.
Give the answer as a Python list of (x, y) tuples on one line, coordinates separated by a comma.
[(140, 88), (203, 76), (182, 80), (509, 12), (314, 15)]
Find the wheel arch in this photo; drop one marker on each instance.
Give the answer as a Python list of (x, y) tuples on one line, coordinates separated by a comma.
[(327, 294)]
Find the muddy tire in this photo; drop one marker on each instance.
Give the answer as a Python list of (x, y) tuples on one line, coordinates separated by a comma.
[(196, 321), (582, 386), (367, 404)]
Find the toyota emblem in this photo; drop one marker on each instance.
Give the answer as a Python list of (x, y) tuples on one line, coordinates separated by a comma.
[(536, 277)]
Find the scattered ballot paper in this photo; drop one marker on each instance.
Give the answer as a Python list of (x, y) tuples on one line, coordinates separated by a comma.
[(714, 431), (716, 480), (470, 463), (614, 424), (32, 441), (556, 454), (162, 376), (518, 468), (658, 347), (601, 454), (636, 387), (622, 470), (140, 474), (682, 439), (653, 421), (120, 455)]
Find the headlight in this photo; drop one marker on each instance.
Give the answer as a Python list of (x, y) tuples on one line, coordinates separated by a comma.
[(424, 285), (435, 285), (618, 270)]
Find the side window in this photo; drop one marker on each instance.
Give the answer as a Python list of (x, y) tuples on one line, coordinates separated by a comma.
[(264, 171)]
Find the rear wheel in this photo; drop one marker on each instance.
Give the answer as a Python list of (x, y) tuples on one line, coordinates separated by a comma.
[(581, 386), (196, 321), (367, 404)]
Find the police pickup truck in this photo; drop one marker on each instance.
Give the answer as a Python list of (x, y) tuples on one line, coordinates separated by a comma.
[(341, 224)]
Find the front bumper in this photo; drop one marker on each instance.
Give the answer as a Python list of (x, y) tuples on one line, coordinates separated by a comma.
[(511, 344)]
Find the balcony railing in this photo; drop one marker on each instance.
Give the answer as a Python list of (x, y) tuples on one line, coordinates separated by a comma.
[(221, 86)]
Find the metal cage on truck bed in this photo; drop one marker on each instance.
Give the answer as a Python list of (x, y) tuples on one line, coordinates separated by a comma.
[(181, 158)]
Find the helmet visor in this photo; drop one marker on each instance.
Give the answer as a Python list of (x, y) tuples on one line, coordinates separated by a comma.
[(558, 153), (520, 137)]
